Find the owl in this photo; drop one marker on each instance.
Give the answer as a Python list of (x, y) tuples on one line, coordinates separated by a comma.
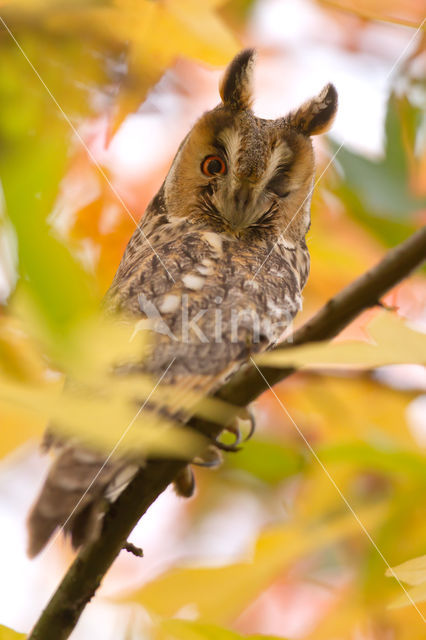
[(217, 264)]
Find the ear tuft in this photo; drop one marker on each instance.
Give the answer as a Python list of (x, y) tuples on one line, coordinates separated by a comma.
[(317, 114), (236, 85)]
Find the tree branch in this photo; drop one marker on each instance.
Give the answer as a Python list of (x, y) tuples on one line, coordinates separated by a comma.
[(85, 574)]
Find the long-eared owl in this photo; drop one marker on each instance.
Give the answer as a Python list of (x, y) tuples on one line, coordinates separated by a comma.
[(220, 257)]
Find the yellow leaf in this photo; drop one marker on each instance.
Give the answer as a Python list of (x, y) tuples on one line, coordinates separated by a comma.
[(335, 409), (9, 634), (412, 572), (17, 427), (22, 364), (416, 594), (159, 32), (99, 406), (189, 630), (104, 423), (219, 594), (395, 342)]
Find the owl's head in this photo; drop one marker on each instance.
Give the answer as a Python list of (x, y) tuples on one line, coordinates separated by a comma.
[(237, 172)]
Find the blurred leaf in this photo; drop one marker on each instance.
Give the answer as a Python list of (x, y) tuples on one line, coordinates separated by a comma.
[(34, 143), (378, 192), (30, 396), (415, 594), (267, 460), (412, 572), (406, 12), (377, 458), (34, 133), (110, 425), (156, 34), (220, 594), (189, 630), (237, 11), (19, 361), (18, 426), (340, 409), (395, 343), (9, 634)]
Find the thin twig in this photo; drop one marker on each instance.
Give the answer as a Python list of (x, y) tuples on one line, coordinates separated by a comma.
[(85, 574), (132, 548)]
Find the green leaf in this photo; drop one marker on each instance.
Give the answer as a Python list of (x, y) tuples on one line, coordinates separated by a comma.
[(268, 460), (10, 634), (34, 147), (376, 458), (377, 192)]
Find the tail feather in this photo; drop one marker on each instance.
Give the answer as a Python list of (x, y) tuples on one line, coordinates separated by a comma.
[(71, 498)]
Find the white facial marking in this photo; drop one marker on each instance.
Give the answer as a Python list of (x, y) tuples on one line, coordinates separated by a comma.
[(280, 155), (170, 303), (192, 281), (231, 141)]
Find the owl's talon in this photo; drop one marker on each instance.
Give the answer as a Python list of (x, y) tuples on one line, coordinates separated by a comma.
[(248, 417), (245, 416), (210, 459), (229, 448), (233, 446)]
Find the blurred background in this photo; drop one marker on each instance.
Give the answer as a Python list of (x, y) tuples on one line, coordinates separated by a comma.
[(95, 98)]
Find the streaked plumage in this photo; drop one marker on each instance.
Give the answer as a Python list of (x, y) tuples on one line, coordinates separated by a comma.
[(227, 244)]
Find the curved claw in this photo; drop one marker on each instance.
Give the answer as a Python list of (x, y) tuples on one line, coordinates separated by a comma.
[(235, 428), (250, 418), (230, 448), (210, 459), (236, 431)]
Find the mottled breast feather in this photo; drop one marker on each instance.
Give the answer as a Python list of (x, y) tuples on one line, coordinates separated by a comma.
[(244, 292)]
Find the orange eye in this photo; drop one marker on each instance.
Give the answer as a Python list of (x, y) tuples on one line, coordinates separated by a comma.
[(212, 166)]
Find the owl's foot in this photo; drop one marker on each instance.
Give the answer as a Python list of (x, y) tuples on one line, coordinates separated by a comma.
[(184, 482), (211, 458), (244, 422), (242, 428)]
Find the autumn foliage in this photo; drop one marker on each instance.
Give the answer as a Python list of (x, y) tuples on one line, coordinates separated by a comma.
[(296, 535)]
